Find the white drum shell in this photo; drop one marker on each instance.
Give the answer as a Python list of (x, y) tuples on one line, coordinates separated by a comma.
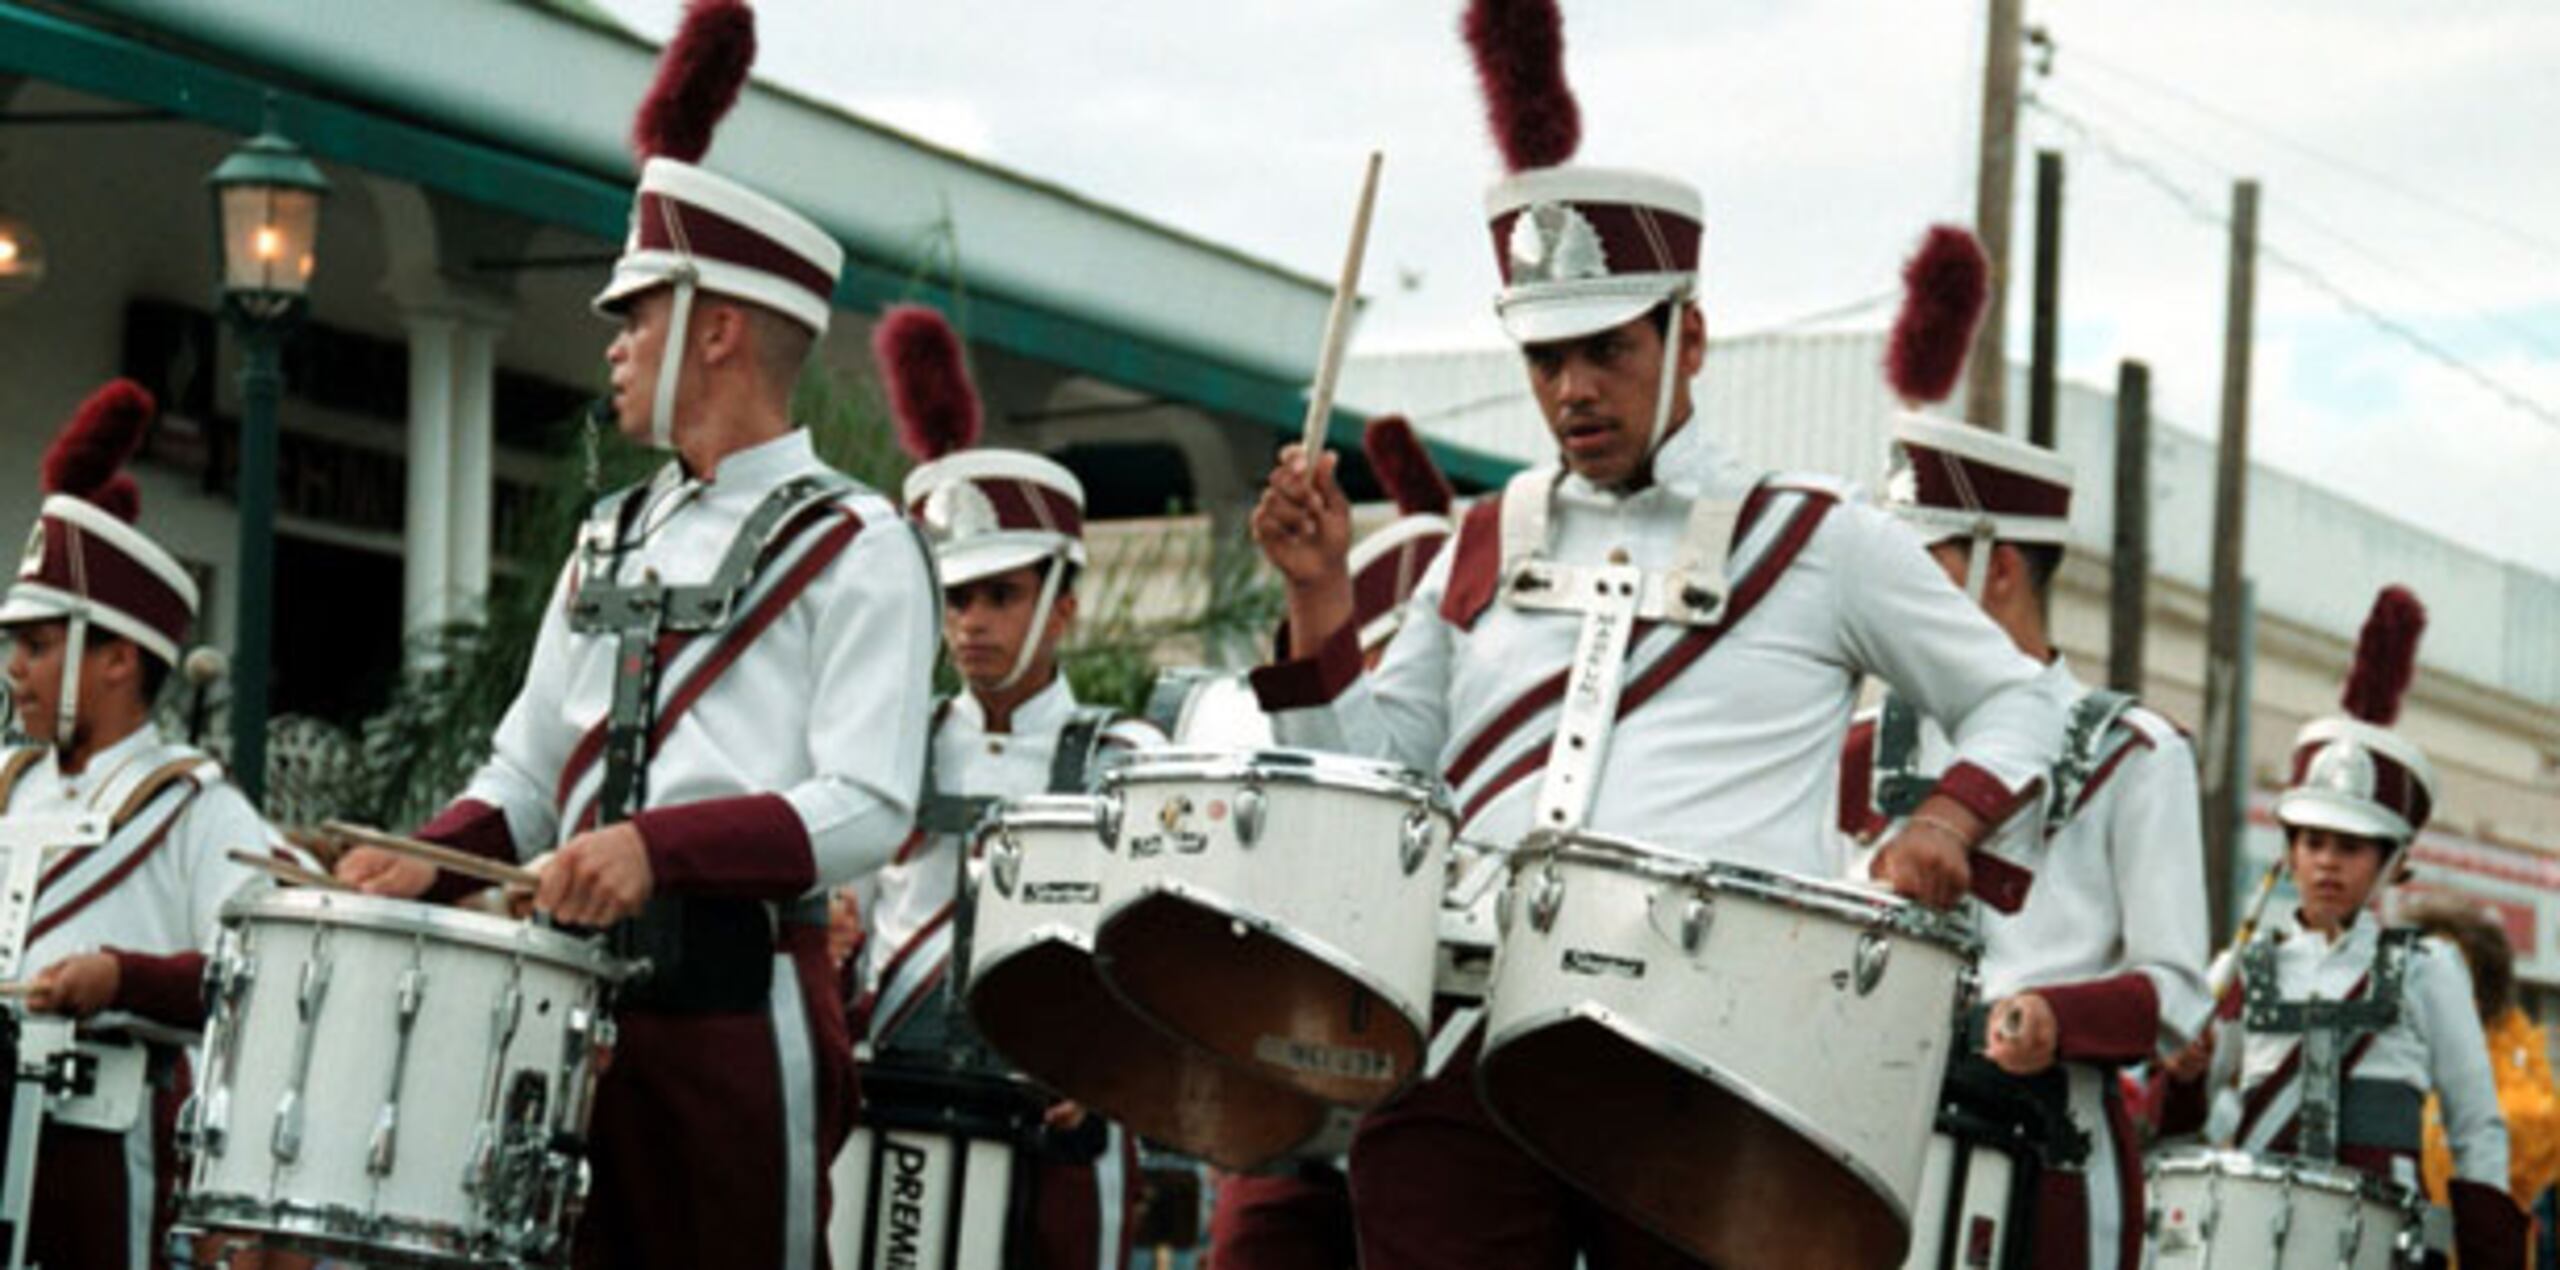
[(1767, 1004), (336, 1190), (941, 1201), (1043, 879), (1328, 872), (2226, 1208)]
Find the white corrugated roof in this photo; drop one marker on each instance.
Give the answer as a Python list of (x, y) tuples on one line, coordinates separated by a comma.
[(1818, 403)]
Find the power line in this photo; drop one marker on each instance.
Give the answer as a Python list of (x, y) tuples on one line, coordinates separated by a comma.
[(2513, 233), (2296, 212), (2203, 210)]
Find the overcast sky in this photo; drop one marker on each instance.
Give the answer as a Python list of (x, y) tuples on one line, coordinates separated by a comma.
[(2404, 149)]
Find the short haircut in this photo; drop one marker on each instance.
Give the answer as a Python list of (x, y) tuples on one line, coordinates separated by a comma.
[(2043, 560), (781, 344)]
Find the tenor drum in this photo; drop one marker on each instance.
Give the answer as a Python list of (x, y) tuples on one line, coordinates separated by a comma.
[(1209, 710), (1719, 1051), (1036, 995), (1280, 909), (2230, 1209), (395, 1083)]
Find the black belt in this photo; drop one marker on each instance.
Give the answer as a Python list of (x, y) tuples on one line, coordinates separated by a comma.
[(705, 955)]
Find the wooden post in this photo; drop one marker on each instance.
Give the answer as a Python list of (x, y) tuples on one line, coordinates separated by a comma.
[(2045, 363), (1995, 177), (2131, 557), (2226, 768)]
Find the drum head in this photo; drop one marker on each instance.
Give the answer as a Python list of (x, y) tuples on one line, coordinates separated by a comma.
[(1699, 1164), (1261, 1000), (1047, 1011)]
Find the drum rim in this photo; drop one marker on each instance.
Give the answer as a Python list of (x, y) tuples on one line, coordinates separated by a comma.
[(1842, 900), (411, 917), (1279, 765), (1044, 811), (997, 955), (326, 1228), (2300, 1171), (1663, 1047), (1416, 1015)]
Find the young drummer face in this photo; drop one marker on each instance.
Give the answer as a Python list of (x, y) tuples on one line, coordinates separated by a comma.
[(984, 624), (36, 654), (2334, 872), (1599, 392)]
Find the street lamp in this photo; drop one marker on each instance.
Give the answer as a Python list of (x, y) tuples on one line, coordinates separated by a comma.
[(266, 222)]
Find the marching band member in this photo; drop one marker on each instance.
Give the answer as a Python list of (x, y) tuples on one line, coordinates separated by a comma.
[(1724, 739), (2360, 793), (722, 719), (96, 619), (1007, 529), (2106, 957), (1298, 1217)]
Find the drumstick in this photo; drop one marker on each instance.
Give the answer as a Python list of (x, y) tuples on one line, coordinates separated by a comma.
[(1337, 322), (445, 858), (18, 988), (288, 871)]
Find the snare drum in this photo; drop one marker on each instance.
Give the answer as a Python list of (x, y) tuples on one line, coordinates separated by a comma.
[(1036, 995), (2228, 1209), (1749, 1063), (392, 1082), (1281, 910)]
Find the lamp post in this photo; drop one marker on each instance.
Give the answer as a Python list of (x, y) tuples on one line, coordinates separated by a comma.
[(266, 214)]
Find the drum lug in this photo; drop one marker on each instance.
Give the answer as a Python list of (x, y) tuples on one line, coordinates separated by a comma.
[(1682, 918), (1698, 914), (1546, 897), (1106, 821), (1503, 902), (1252, 806), (1004, 863), (1415, 843), (1867, 964)]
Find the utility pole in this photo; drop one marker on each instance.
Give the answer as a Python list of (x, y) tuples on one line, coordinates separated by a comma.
[(2226, 703), (2131, 557), (1995, 176), (2044, 365)]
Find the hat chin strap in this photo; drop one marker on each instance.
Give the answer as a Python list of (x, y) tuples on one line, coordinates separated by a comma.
[(1670, 366), (66, 709), (662, 403), (1039, 618), (1977, 561)]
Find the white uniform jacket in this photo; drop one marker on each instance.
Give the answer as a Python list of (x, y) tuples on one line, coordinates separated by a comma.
[(788, 747), (2112, 934), (2435, 1044), (907, 907), (1728, 736), (156, 887)]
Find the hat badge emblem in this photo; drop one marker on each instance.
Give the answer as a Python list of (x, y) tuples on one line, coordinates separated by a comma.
[(1555, 242), (2341, 767), (957, 511)]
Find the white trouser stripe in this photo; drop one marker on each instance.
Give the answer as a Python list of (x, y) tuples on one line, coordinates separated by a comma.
[(2105, 1188), (799, 1117), (140, 1181), (1111, 1190)]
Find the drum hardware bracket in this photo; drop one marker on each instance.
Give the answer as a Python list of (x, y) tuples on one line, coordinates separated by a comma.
[(1004, 863), (384, 1147), (1546, 897), (1689, 928), (1414, 843), (1106, 820), (1868, 962), (1251, 806), (285, 1143)]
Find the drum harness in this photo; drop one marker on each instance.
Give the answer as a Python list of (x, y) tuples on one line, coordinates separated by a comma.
[(702, 954), (52, 1071), (2328, 1029), (1901, 784), (1611, 598)]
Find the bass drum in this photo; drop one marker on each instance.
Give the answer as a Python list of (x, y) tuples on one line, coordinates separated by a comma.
[(938, 1174), (1996, 1136)]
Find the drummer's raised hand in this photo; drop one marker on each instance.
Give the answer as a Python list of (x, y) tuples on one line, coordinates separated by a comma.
[(598, 878), (1303, 525), (378, 872), (2023, 1035), (1929, 858), (78, 985)]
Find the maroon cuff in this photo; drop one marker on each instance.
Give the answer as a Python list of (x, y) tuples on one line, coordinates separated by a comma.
[(1311, 681), (164, 988), (467, 824), (2488, 1229), (2183, 1106), (2113, 1020), (1984, 795), (746, 848)]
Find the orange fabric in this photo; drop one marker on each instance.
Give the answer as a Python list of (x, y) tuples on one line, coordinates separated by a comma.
[(2532, 1107)]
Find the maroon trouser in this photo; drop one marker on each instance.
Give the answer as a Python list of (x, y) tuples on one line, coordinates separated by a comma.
[(1282, 1221), (1435, 1185), (1067, 1209), (712, 1133), (93, 1187)]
